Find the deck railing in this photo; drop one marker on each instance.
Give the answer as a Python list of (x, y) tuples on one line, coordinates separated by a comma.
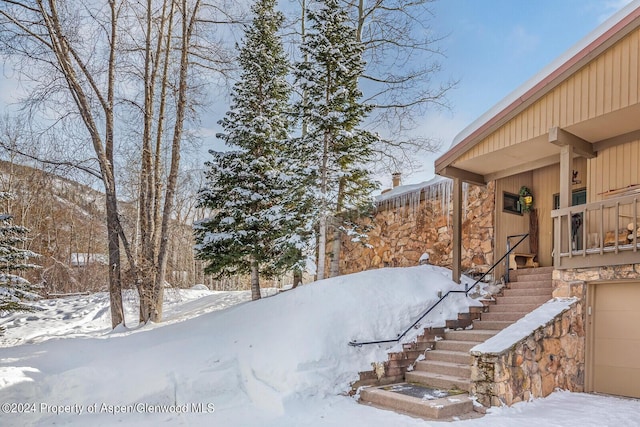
[(596, 234)]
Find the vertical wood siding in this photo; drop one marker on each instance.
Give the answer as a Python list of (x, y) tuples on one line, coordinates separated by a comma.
[(614, 168), (508, 224), (608, 83)]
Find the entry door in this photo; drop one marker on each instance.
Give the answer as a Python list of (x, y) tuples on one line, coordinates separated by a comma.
[(578, 197), (616, 338)]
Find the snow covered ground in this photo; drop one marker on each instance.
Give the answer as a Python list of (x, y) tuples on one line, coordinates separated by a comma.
[(219, 359)]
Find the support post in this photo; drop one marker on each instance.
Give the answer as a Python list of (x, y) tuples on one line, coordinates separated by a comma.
[(456, 270), (566, 169)]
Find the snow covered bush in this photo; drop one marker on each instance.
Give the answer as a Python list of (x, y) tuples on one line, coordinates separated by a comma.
[(15, 290)]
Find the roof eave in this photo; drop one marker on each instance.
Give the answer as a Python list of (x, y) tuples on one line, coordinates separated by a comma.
[(496, 117)]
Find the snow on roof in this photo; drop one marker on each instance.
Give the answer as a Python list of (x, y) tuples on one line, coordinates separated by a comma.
[(524, 327), (545, 72)]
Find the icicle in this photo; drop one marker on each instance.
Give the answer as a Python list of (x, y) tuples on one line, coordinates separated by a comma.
[(408, 203)]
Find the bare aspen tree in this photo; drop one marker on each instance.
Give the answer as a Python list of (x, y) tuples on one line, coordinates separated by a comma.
[(42, 34), (79, 58)]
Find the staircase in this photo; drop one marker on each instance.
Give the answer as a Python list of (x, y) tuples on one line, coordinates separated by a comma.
[(438, 385)]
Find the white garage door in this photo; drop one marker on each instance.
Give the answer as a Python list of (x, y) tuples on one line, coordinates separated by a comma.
[(616, 317)]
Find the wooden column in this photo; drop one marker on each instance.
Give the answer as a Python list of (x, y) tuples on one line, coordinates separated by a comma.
[(456, 270), (566, 170), (569, 144)]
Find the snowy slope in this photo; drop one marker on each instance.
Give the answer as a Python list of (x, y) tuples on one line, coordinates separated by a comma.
[(280, 361)]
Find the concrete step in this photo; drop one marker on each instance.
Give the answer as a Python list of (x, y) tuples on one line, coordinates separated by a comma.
[(531, 284), (460, 370), (439, 381), (494, 325), (476, 309), (448, 356), (458, 323), (531, 272), (534, 278), (526, 292), (471, 335), (503, 316), (534, 299), (518, 308), (442, 408), (454, 345), (487, 303)]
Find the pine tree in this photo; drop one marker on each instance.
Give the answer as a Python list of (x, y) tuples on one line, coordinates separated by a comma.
[(15, 291), (254, 192), (331, 112)]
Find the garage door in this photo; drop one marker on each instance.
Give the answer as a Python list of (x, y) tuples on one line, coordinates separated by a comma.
[(616, 351)]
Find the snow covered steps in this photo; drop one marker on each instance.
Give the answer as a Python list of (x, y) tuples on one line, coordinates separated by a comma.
[(415, 399)]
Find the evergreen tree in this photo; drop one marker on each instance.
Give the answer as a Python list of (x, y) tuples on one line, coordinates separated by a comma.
[(15, 291), (254, 193), (331, 113)]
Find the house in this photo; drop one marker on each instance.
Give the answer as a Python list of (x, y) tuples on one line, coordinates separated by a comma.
[(86, 259), (559, 156), (571, 138)]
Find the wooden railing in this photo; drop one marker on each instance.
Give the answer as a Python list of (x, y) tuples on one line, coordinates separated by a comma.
[(595, 234)]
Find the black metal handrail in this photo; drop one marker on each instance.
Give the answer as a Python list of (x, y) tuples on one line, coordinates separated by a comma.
[(466, 292)]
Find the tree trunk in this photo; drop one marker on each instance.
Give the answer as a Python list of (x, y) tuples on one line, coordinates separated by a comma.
[(255, 281), (334, 270), (322, 245), (66, 57), (297, 277), (115, 280), (335, 250), (188, 24)]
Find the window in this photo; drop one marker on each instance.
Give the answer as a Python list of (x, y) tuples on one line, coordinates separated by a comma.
[(511, 203), (578, 197)]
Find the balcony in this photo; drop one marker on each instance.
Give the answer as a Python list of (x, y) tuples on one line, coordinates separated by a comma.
[(601, 233)]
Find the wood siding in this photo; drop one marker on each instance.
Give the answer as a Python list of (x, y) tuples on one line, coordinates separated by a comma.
[(608, 83), (613, 169), (508, 224)]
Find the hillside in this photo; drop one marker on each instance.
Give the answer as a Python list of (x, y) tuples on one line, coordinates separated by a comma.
[(67, 227), (66, 220), (66, 223)]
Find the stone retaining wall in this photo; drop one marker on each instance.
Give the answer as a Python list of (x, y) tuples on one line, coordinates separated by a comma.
[(572, 282), (552, 357), (402, 232)]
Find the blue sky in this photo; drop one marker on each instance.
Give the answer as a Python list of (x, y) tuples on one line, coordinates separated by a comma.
[(494, 46)]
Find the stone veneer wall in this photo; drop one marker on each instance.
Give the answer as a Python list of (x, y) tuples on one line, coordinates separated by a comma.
[(401, 234), (572, 282), (553, 356)]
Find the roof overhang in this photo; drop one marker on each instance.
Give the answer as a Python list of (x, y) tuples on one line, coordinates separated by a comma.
[(539, 151)]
